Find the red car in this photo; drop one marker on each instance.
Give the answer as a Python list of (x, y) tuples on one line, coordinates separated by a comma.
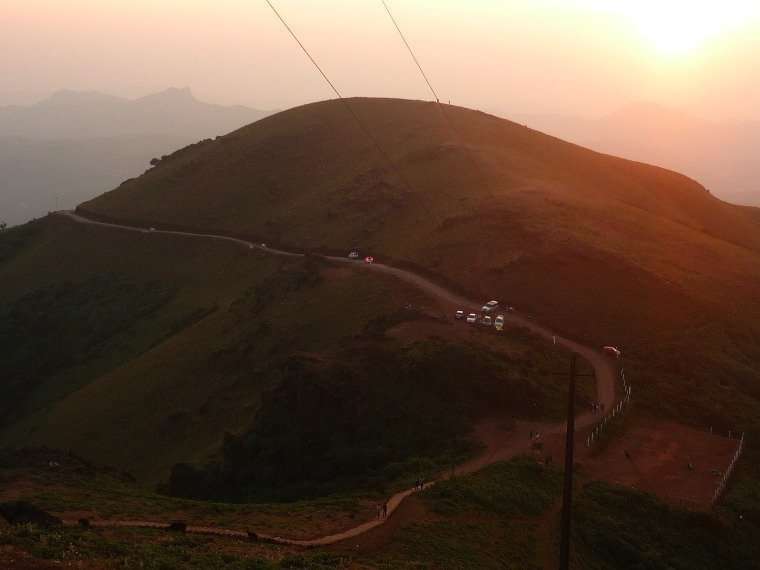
[(612, 351), (369, 259)]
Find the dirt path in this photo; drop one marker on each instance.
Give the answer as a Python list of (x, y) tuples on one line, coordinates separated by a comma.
[(497, 448)]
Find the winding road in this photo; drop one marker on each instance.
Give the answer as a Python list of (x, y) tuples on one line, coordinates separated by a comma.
[(606, 372)]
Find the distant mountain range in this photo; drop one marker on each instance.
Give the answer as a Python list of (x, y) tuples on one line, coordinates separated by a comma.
[(75, 145), (721, 155)]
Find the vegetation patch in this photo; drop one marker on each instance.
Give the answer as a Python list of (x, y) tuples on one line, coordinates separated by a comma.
[(13, 240), (521, 487), (57, 328), (486, 520), (154, 550), (620, 528), (368, 416)]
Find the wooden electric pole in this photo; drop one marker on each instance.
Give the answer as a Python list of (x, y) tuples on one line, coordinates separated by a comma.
[(567, 497)]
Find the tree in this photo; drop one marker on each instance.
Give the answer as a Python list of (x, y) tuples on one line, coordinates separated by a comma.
[(3, 226), (155, 161)]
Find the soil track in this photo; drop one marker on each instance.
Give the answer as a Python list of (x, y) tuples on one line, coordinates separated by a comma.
[(500, 445)]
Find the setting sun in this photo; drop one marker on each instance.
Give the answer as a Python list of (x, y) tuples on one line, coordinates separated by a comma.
[(677, 28)]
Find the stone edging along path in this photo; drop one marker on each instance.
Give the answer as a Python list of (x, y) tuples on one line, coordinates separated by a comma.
[(605, 369)]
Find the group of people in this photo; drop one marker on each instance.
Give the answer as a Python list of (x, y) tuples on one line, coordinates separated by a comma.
[(597, 407), (382, 508)]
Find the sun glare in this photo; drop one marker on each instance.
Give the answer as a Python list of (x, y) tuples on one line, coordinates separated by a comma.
[(673, 32), (676, 27)]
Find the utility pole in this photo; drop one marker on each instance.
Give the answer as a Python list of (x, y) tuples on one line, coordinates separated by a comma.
[(567, 496)]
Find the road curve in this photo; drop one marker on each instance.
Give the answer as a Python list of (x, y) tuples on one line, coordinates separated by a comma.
[(605, 369)]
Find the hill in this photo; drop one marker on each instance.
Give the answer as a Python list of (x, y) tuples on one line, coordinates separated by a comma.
[(152, 346), (65, 150), (607, 249), (720, 154), (145, 351), (86, 115)]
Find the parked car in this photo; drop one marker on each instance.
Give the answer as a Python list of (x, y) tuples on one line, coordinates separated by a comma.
[(152, 229), (353, 254), (612, 351), (459, 315), (499, 322), (472, 318), (490, 306), (486, 321), (369, 259)]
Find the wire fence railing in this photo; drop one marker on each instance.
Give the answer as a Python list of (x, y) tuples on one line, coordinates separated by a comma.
[(721, 487), (617, 410)]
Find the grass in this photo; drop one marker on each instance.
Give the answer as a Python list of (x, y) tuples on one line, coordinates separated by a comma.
[(619, 528), (55, 330), (154, 550), (88, 404), (487, 520), (76, 486), (499, 517), (605, 250), (602, 249), (13, 240), (369, 416), (203, 277), (518, 488), (174, 342)]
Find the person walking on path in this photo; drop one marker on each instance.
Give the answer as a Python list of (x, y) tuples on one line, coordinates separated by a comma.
[(379, 509), (385, 510)]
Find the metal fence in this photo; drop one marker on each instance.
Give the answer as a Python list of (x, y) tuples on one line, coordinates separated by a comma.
[(727, 474), (617, 410)]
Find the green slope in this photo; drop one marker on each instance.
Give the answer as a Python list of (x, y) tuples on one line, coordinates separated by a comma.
[(143, 350), (608, 250)]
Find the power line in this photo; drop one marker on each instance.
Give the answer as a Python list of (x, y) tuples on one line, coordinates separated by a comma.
[(441, 109), (411, 52), (345, 102), (444, 115), (313, 61)]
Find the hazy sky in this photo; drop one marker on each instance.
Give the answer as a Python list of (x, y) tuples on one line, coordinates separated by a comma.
[(583, 57)]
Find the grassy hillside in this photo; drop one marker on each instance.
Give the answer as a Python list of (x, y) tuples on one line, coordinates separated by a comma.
[(614, 530), (292, 358), (504, 516), (142, 351), (369, 415), (604, 249), (608, 250)]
